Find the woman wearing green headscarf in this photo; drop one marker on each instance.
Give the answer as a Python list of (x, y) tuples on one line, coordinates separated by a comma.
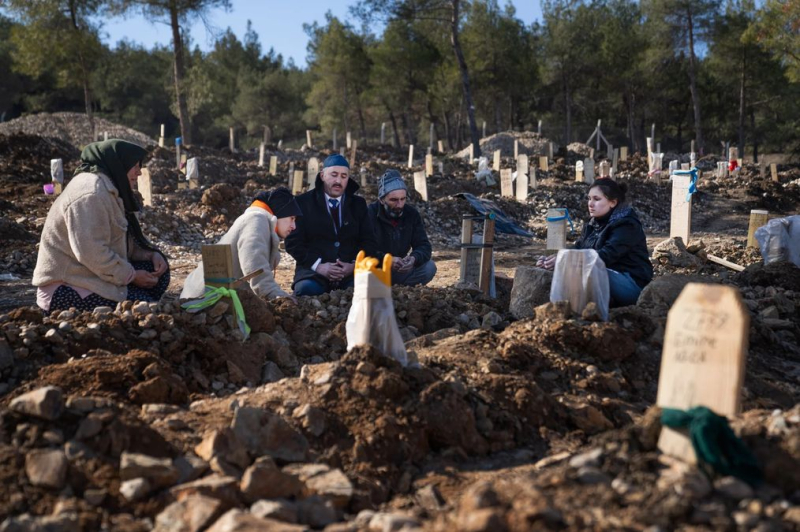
[(93, 252)]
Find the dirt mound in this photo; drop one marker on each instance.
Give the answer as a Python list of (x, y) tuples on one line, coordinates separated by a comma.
[(529, 143), (72, 128)]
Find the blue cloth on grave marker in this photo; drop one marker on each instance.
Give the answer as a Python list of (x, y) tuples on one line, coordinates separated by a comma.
[(502, 224)]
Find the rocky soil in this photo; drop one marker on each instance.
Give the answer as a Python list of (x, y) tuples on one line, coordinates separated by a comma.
[(146, 417)]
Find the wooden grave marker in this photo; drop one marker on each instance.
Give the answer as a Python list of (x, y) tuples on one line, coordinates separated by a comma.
[(218, 268), (57, 175), (313, 170), (604, 169), (411, 156), (349, 140), (673, 165), (476, 265), (496, 161), (680, 222), (353, 154), (471, 153), (309, 142), (232, 140), (273, 165), (421, 184), (686, 166), (262, 148), (145, 186), (733, 155), (516, 148), (429, 165), (556, 229), (615, 161), (161, 138), (522, 177), (441, 146), (623, 153), (550, 150), (703, 360), (297, 182), (773, 169), (506, 184), (758, 218), (363, 173), (543, 164)]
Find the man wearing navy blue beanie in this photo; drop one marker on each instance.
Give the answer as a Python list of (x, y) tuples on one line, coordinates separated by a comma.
[(335, 226)]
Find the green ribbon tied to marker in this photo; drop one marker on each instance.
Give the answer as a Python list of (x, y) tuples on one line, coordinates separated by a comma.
[(715, 444), (211, 297), (565, 217), (692, 184)]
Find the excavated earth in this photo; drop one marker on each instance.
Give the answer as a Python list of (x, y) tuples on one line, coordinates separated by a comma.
[(147, 417)]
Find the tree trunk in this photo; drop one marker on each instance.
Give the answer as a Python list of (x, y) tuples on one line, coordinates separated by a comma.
[(177, 47), (462, 66), (498, 115), (362, 123), (698, 132), (742, 103), (87, 91), (753, 135), (448, 130), (568, 110), (395, 132)]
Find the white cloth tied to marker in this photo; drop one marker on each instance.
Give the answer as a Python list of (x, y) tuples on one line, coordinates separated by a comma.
[(371, 320)]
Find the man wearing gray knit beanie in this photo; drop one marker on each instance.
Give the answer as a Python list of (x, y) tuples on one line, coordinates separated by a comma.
[(400, 232)]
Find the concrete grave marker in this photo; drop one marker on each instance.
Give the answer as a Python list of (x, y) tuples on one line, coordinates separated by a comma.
[(604, 168), (411, 156), (532, 179), (686, 166), (297, 182), (522, 177), (588, 170), (105, 135), (145, 186), (673, 165), (429, 165), (496, 161), (273, 165), (193, 172), (733, 155), (681, 215), (543, 165), (758, 218), (313, 170), (773, 169), (579, 177), (421, 185), (506, 184), (703, 360), (57, 171), (556, 229), (623, 153), (363, 173), (722, 169), (161, 138)]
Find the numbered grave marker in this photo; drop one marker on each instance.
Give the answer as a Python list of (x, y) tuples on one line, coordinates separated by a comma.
[(703, 360)]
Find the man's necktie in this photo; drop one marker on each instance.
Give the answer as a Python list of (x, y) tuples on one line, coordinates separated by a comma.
[(334, 204)]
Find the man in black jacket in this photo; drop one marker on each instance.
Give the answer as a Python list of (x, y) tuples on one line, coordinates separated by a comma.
[(334, 227), (398, 230)]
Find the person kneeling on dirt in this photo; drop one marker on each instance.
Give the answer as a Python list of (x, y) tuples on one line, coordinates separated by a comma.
[(334, 228), (616, 233), (254, 238), (93, 253), (399, 230)]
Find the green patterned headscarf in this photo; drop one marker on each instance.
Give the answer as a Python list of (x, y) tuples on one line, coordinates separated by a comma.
[(114, 158)]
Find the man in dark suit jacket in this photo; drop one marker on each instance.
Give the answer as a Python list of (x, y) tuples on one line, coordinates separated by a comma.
[(400, 232), (334, 227)]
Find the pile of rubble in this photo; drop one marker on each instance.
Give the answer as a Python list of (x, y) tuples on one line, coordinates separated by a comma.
[(530, 143), (72, 128)]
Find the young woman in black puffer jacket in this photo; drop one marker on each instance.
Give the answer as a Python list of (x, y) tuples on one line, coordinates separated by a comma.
[(616, 233)]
